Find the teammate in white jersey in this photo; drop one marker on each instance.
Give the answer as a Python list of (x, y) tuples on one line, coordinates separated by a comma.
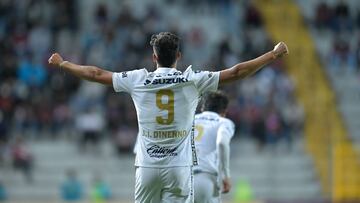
[(165, 101), (213, 133)]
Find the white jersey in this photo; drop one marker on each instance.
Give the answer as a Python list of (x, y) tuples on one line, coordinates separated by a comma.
[(165, 102), (209, 128)]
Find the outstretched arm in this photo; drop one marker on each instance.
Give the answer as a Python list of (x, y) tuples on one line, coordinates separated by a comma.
[(247, 68), (91, 73)]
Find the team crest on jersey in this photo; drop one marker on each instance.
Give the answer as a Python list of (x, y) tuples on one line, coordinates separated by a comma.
[(161, 152), (124, 74)]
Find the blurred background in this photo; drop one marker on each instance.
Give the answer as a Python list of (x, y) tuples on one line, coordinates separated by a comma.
[(297, 121)]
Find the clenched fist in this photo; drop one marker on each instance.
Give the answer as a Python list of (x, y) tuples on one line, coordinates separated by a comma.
[(280, 50), (226, 185), (55, 59)]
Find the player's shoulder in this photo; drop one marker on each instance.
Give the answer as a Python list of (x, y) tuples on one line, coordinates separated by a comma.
[(141, 71), (191, 72), (198, 115), (138, 74), (188, 71), (131, 73), (209, 117), (227, 122)]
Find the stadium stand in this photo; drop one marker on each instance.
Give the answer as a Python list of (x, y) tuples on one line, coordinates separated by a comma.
[(282, 177), (334, 33), (337, 43)]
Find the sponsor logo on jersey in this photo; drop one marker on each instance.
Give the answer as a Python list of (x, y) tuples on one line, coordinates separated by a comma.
[(124, 74), (147, 82), (161, 152), (158, 81)]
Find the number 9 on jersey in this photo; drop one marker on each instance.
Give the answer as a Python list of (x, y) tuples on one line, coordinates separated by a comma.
[(165, 101)]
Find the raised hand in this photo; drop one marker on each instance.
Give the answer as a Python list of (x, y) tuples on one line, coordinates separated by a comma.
[(280, 50), (55, 59)]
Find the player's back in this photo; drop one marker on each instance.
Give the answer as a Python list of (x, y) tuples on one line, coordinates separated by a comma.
[(165, 102), (207, 125)]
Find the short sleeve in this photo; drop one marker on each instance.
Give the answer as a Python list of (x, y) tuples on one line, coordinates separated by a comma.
[(124, 81), (225, 133), (227, 129), (205, 81)]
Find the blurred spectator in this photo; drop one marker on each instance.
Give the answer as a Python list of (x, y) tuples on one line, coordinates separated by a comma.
[(7, 103), (252, 16), (196, 49), (71, 189), (4, 153), (8, 59), (357, 53), (358, 18), (22, 158), (258, 128), (62, 118), (3, 128), (223, 49), (336, 18), (40, 39), (323, 16), (3, 194), (293, 115), (100, 191), (101, 14), (273, 126), (342, 57), (65, 15), (343, 21), (90, 124), (124, 140), (31, 73)]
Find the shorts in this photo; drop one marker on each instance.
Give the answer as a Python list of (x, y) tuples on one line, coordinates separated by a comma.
[(164, 185), (206, 188)]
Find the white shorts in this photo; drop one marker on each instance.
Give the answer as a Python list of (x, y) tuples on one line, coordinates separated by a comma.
[(164, 185), (206, 188)]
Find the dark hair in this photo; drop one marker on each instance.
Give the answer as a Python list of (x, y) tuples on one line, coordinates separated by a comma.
[(166, 46), (215, 101)]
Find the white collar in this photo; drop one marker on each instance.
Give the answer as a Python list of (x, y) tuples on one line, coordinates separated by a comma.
[(164, 70), (210, 113)]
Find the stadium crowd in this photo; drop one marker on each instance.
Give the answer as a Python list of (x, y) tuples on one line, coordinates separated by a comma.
[(335, 26), (342, 23), (37, 101)]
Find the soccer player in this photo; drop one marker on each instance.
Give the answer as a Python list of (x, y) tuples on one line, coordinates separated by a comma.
[(165, 101), (213, 133)]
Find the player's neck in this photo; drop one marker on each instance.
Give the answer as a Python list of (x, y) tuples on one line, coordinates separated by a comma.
[(160, 66)]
